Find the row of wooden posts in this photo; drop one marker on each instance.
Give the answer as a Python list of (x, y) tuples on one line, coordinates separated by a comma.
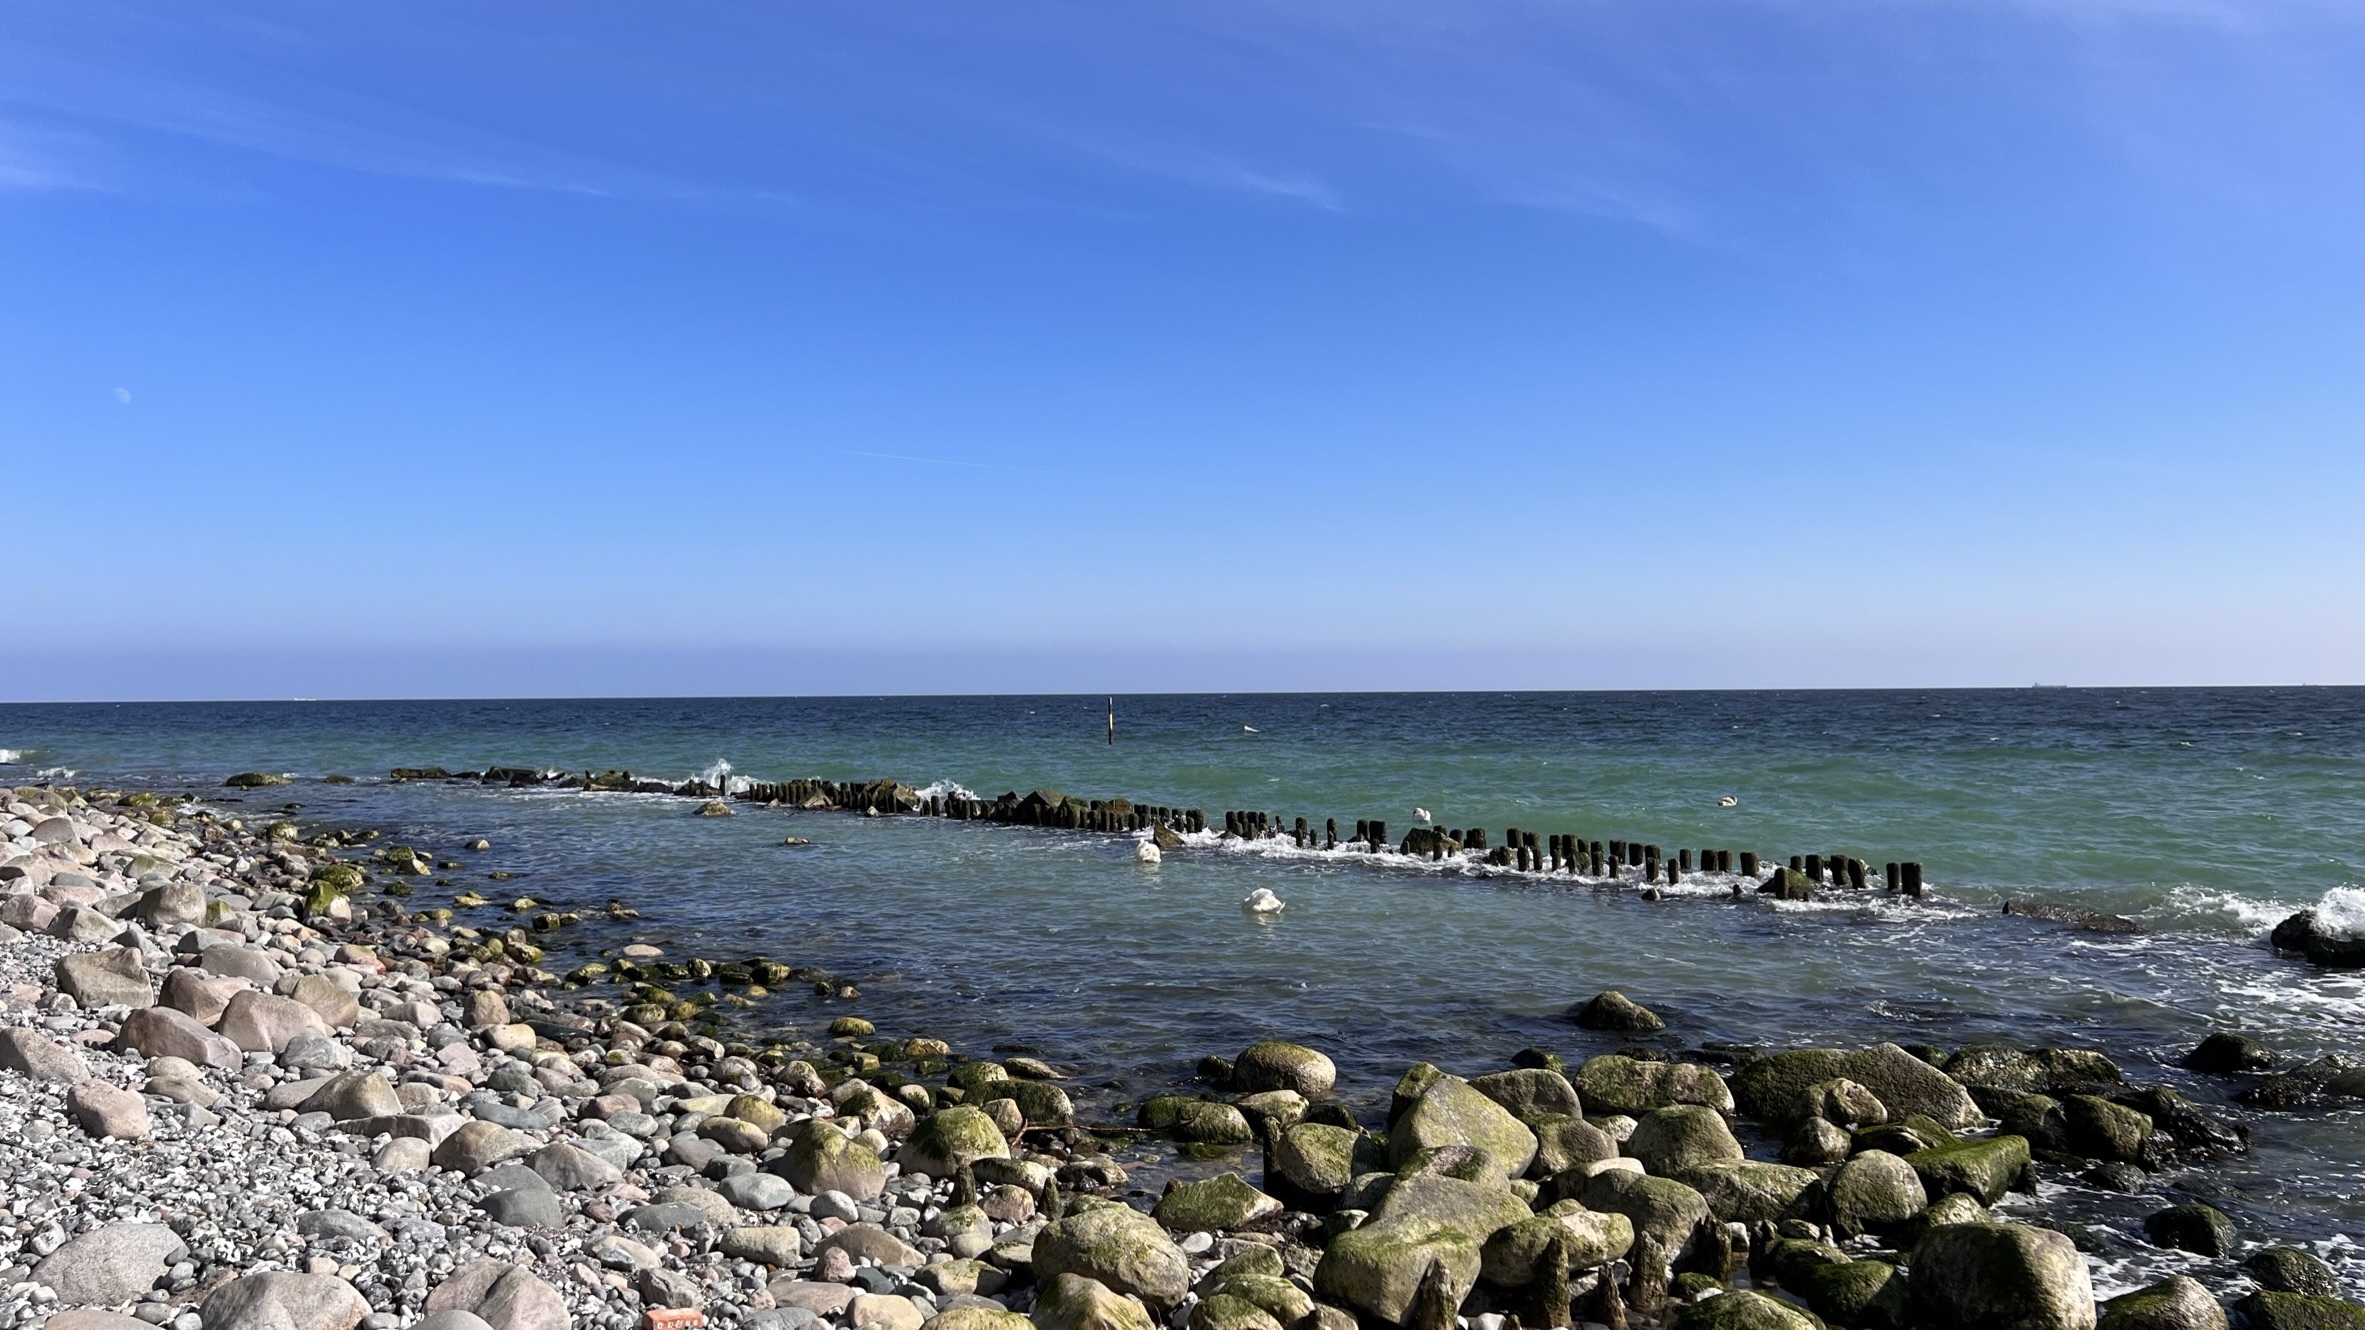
[(1560, 853), (1520, 849)]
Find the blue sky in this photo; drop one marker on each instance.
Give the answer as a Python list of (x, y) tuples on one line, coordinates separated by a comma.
[(530, 349)]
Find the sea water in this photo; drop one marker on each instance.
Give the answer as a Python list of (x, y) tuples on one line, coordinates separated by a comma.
[(2203, 815)]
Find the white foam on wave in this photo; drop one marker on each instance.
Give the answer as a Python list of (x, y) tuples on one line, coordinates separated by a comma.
[(2342, 912), (9, 755), (946, 789), (718, 774), (57, 773), (2188, 904)]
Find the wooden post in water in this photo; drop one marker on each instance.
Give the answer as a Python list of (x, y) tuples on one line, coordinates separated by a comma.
[(1814, 868), (1892, 878), (1855, 874), (1913, 877), (1330, 833), (1683, 860), (1749, 863), (1650, 863), (1379, 836), (1597, 865)]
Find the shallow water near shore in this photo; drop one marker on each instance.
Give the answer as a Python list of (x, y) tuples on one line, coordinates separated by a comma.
[(2204, 815)]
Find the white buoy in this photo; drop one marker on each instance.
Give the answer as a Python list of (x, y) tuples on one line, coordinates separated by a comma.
[(1146, 852), (1727, 802), (1263, 901)]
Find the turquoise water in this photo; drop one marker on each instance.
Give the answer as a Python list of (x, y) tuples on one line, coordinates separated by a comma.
[(2205, 815)]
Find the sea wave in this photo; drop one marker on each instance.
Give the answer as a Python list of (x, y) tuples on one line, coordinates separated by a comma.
[(2342, 912), (9, 755), (946, 789)]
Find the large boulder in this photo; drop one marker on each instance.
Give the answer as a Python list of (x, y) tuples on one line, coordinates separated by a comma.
[(1531, 1093), (354, 1094), (105, 1110), (1743, 1310), (1748, 1191), (2001, 1277), (504, 1296), (1669, 1212), (277, 1300), (1213, 1205), (1312, 1163), (822, 1157), (477, 1146), (1075, 1302), (1864, 1295), (163, 1032), (262, 1022), (2176, 1303), (1120, 1247), (1615, 1083), (1613, 1010), (1985, 1169), (1511, 1258), (1450, 1113), (2334, 944), (2266, 1309), (111, 1264), (1669, 1141), (1427, 1227), (203, 997), (2042, 1071), (33, 1055), (2202, 1229), (1874, 1192), (1274, 1065), (2291, 1270), (2099, 1129), (1563, 1143), (170, 905), (951, 1139), (1772, 1089), (111, 978), (333, 1002)]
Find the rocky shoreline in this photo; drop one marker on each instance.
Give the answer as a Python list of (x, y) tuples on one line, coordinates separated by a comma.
[(246, 1089)]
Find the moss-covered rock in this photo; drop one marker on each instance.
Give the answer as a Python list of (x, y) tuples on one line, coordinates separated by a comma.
[(1563, 1143), (2042, 1071), (973, 1316), (1212, 1205), (1743, 1310), (1075, 1302), (1425, 1224), (255, 780), (1843, 1103), (1120, 1247), (1450, 1112), (1226, 1311), (1748, 1191), (2203, 1229), (2176, 1303), (1042, 1103), (2269, 1310), (1984, 1169), (1613, 1010), (2096, 1128), (1772, 1089), (1531, 1093), (1875, 1192), (1512, 1256), (1274, 1065), (2291, 1270), (951, 1139), (822, 1157), (1615, 1083), (1675, 1140), (1862, 1295), (1312, 1163), (2000, 1277), (1198, 1120), (1667, 1210)]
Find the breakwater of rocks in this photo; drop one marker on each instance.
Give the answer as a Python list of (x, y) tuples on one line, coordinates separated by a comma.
[(247, 1087)]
